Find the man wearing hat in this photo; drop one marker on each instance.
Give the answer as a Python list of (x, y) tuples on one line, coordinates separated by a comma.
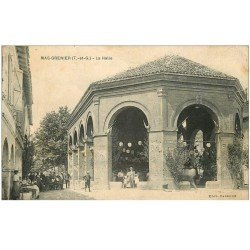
[(87, 178)]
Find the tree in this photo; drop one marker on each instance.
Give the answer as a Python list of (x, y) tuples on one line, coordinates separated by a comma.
[(28, 156), (176, 159), (51, 140), (235, 161)]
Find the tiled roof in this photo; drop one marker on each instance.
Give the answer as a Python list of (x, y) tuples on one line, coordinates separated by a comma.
[(171, 64)]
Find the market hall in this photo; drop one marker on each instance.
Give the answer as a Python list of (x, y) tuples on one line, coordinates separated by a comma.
[(135, 118)]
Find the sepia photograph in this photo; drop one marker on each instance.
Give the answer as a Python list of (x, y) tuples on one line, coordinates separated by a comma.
[(125, 122)]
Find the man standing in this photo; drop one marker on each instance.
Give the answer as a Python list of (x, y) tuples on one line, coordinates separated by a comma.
[(87, 178), (131, 177), (67, 178)]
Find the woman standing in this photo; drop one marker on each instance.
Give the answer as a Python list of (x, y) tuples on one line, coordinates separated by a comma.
[(16, 186)]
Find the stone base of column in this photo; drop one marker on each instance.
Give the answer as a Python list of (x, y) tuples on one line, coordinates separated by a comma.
[(155, 185), (6, 187), (170, 183), (227, 184)]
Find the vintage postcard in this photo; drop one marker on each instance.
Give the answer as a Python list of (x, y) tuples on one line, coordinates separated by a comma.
[(125, 123)]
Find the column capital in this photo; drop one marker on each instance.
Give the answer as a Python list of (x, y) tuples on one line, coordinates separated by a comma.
[(225, 133), (162, 92), (96, 100)]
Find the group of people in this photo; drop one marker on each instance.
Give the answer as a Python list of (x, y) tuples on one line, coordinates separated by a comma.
[(39, 182), (129, 179)]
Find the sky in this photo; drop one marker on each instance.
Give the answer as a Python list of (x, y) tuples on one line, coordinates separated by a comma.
[(58, 83)]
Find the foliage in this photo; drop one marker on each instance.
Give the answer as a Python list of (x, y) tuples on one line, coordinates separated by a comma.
[(204, 160), (51, 140), (208, 163), (28, 156), (236, 160), (246, 157), (175, 162)]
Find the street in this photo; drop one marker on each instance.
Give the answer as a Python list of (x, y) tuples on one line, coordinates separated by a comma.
[(136, 194), (65, 194)]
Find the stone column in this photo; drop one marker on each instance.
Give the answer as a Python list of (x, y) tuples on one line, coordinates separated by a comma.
[(6, 180), (162, 94), (89, 154), (96, 102), (156, 161), (169, 144), (101, 166), (159, 144), (69, 162), (223, 175), (75, 168), (81, 162), (110, 160), (160, 140), (70, 167)]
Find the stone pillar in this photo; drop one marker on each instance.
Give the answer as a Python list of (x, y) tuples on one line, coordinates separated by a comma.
[(101, 162), (110, 160), (81, 162), (6, 184), (159, 144), (156, 161), (70, 167), (162, 94), (223, 175), (96, 102), (160, 140), (89, 155), (170, 143), (75, 168)]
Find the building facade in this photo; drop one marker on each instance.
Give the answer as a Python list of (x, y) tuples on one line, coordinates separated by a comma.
[(137, 117), (16, 112), (246, 141)]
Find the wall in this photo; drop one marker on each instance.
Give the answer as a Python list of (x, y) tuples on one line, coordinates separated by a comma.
[(14, 121)]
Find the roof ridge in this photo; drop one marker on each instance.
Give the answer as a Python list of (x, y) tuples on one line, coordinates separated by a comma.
[(171, 63)]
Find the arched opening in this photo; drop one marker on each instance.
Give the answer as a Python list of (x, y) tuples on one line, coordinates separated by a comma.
[(90, 147), (5, 175), (12, 162), (75, 139), (81, 152), (129, 138), (90, 128), (70, 142), (237, 126), (5, 154), (81, 135), (197, 125)]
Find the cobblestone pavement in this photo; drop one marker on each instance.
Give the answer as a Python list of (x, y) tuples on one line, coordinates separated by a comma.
[(65, 194)]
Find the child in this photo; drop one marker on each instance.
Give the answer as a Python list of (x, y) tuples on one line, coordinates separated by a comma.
[(136, 180), (124, 183)]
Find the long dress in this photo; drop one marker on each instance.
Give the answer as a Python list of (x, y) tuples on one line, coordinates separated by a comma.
[(131, 178), (16, 187)]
